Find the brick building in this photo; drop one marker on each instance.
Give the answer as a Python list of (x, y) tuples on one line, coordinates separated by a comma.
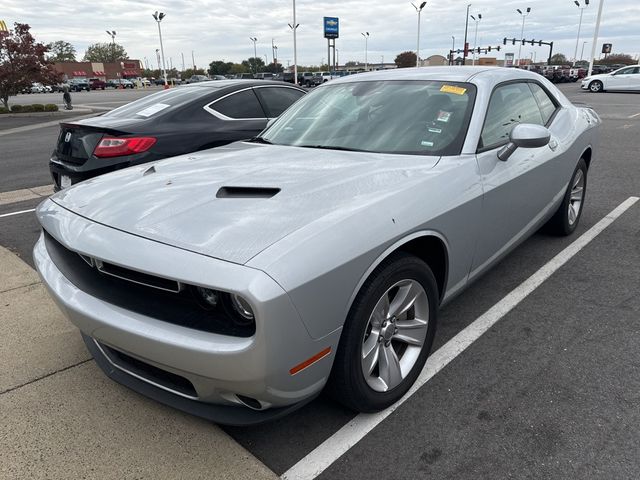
[(104, 71)]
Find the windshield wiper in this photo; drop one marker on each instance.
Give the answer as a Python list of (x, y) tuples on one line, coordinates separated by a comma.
[(332, 147), (260, 140)]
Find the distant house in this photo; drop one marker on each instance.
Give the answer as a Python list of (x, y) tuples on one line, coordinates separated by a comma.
[(434, 60)]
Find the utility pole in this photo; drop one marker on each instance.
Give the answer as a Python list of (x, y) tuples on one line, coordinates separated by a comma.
[(112, 34), (294, 26), (595, 37), (255, 54), (193, 61), (453, 47), (586, 4), (182, 61), (366, 48), (475, 38), (524, 16), (158, 18), (466, 29)]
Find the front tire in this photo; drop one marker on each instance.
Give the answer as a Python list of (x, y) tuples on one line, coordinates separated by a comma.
[(566, 218), (387, 336), (596, 86)]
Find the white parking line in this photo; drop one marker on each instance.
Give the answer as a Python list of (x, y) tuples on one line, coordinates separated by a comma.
[(340, 442), (17, 213), (634, 115)]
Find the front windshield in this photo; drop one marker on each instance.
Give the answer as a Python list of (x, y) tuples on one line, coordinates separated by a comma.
[(410, 117)]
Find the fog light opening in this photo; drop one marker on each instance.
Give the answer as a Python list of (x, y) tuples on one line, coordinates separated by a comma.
[(249, 402)]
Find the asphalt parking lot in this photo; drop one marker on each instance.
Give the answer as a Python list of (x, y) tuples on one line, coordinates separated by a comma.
[(551, 390)]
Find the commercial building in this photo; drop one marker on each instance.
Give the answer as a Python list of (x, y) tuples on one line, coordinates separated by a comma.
[(104, 71)]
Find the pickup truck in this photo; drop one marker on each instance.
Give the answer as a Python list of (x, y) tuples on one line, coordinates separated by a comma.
[(306, 79), (97, 84)]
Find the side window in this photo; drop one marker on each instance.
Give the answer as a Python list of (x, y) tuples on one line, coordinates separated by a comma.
[(547, 106), (277, 99), (243, 104), (509, 105)]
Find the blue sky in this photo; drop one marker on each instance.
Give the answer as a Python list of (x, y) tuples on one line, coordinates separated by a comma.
[(217, 29)]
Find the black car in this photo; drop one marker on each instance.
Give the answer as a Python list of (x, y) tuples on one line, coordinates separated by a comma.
[(77, 85), (168, 123)]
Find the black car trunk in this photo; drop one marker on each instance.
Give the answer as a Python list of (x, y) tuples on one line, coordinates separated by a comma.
[(76, 142)]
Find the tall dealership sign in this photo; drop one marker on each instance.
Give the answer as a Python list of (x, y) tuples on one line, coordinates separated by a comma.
[(331, 32)]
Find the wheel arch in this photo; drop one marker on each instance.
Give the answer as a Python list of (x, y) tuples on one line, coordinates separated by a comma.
[(428, 245), (587, 154)]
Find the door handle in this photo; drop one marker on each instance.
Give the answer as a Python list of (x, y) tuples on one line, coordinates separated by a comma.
[(553, 144)]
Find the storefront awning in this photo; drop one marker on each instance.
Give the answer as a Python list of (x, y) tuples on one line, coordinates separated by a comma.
[(79, 73), (99, 74)]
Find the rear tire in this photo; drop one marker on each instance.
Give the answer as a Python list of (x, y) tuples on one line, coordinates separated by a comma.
[(387, 336), (567, 217)]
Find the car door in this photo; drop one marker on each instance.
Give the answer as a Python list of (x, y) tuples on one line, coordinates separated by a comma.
[(518, 192), (634, 77), (276, 100), (620, 79)]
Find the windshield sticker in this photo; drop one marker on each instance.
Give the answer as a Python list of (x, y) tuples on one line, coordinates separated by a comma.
[(153, 109), (453, 89), (443, 116), (435, 130), (424, 143)]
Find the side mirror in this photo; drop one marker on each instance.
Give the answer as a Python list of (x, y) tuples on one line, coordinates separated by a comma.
[(525, 135)]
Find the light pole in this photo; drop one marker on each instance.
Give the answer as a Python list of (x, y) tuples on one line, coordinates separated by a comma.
[(419, 10), (595, 38), (453, 47), (475, 38), (294, 26), (466, 29), (337, 58), (255, 54), (582, 52), (112, 34), (581, 7), (366, 48), (524, 15), (158, 18)]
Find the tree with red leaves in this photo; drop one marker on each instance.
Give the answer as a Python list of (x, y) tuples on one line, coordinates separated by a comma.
[(22, 61)]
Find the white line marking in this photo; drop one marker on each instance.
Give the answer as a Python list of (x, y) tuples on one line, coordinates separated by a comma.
[(17, 213), (634, 115), (340, 442)]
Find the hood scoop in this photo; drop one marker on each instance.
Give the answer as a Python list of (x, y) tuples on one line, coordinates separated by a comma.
[(247, 192)]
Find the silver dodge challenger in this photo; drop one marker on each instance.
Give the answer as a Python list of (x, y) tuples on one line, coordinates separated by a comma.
[(239, 282)]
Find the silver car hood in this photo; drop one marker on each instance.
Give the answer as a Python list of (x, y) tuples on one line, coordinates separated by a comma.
[(175, 201)]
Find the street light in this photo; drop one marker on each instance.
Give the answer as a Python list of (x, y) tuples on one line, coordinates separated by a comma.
[(294, 26), (524, 15), (419, 10), (464, 45), (595, 38), (453, 47), (366, 47), (581, 7), (582, 52), (255, 54), (112, 34), (337, 59), (158, 18), (475, 38)]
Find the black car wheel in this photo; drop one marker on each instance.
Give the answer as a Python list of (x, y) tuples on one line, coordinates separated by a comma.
[(387, 336)]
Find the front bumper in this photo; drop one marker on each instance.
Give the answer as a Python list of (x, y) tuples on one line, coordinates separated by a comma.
[(584, 85), (220, 368)]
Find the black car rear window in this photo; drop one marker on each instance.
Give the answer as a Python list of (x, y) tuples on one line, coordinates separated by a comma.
[(153, 105), (242, 104)]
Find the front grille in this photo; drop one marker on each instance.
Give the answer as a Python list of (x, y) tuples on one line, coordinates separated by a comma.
[(178, 308), (156, 375)]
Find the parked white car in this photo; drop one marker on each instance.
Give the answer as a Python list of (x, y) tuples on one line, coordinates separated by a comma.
[(624, 79)]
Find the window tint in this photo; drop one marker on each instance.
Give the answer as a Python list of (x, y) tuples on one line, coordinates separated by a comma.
[(243, 104), (547, 107), (509, 105), (277, 99)]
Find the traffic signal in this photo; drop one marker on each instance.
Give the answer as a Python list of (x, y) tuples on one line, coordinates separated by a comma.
[(489, 48), (504, 41), (532, 42), (513, 41), (540, 43), (498, 48), (478, 49), (523, 41)]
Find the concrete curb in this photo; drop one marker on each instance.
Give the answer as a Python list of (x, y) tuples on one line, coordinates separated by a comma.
[(59, 113)]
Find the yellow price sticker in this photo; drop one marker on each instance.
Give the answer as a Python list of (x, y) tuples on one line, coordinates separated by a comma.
[(453, 89)]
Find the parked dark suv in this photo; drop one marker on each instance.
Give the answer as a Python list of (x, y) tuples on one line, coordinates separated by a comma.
[(77, 85)]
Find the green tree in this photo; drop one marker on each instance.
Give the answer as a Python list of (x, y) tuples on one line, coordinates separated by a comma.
[(618, 59), (61, 51), (406, 59), (277, 68), (239, 68), (22, 61), (559, 59), (253, 64), (189, 72), (105, 53), (220, 67)]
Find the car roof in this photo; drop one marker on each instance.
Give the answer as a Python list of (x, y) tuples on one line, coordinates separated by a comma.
[(247, 82), (451, 74)]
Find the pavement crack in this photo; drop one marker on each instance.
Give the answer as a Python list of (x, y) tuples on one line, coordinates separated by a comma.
[(19, 287), (45, 376)]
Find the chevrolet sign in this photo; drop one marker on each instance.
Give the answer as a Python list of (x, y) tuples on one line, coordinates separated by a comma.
[(331, 27)]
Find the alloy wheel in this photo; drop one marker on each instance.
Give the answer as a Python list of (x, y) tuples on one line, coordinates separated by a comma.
[(395, 335), (576, 197)]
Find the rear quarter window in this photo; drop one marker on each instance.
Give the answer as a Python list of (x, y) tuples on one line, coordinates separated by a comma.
[(243, 104)]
